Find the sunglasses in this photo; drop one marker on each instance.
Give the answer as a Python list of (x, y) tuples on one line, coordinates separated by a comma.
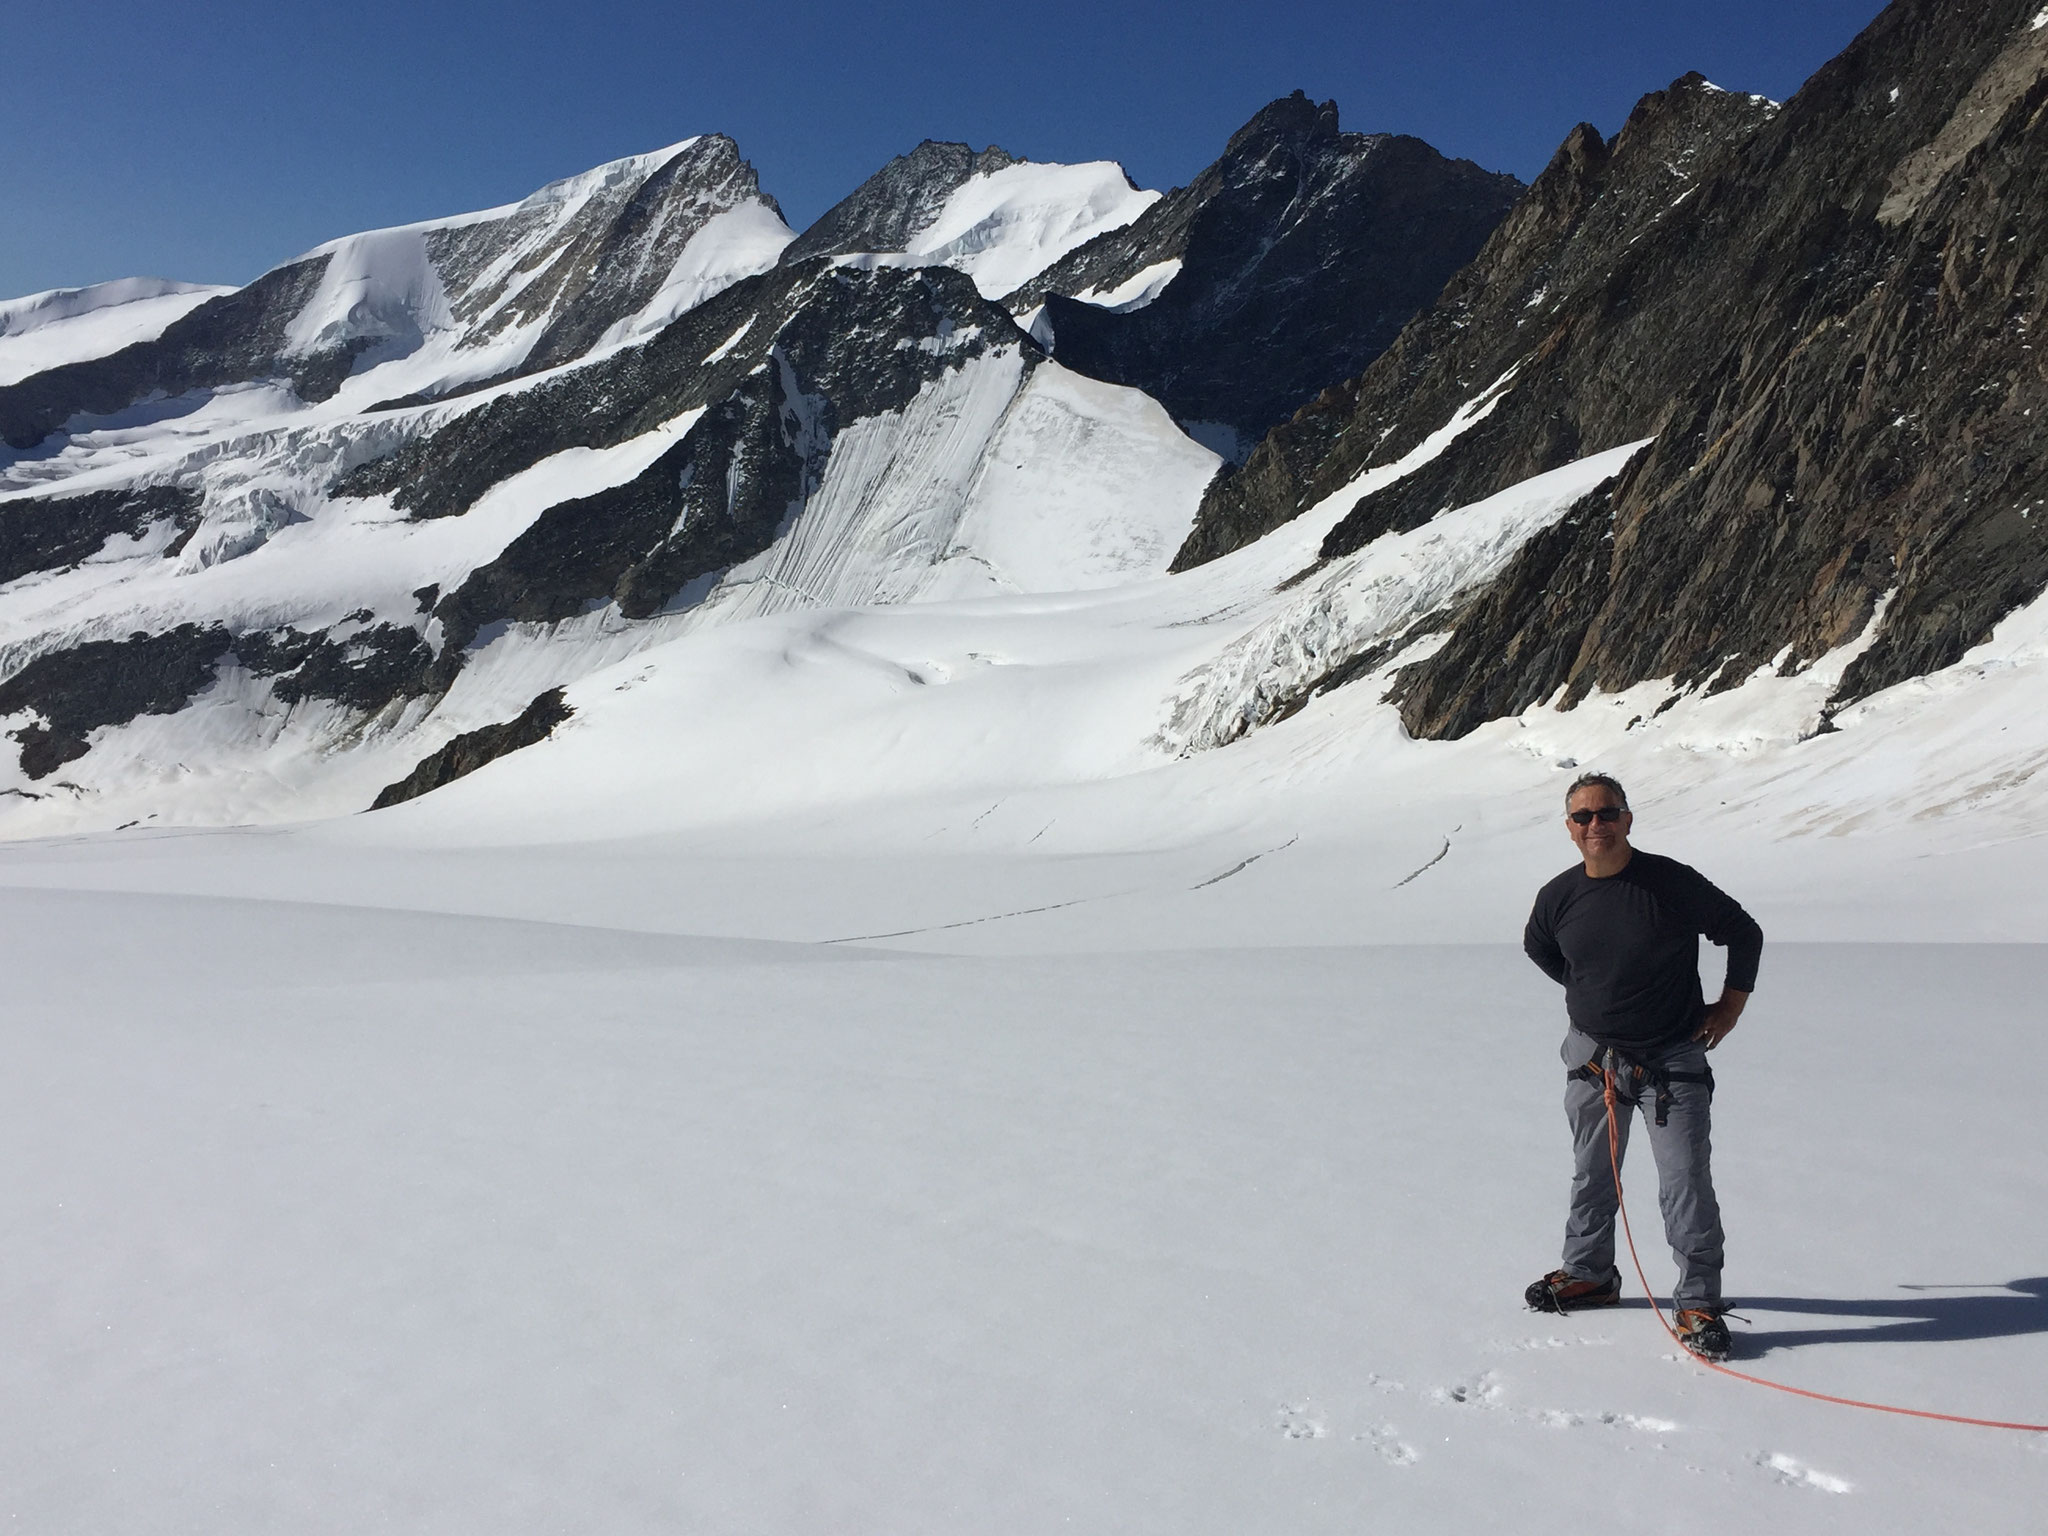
[(1587, 818)]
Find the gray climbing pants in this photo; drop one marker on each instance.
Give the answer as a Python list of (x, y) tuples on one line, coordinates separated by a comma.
[(1685, 1185)]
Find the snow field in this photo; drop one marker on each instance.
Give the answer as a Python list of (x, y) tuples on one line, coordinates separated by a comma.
[(327, 1215), (1002, 228), (73, 325)]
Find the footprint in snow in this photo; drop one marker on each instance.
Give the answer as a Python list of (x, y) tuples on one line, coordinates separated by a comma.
[(1639, 1421), (1394, 1451), (1564, 1418), (1483, 1391), (1794, 1473), (1549, 1341), (1297, 1422)]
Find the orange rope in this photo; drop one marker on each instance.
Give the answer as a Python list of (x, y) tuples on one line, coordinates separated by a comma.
[(1614, 1163)]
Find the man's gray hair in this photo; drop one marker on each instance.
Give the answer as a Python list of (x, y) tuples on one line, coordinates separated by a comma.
[(1606, 781)]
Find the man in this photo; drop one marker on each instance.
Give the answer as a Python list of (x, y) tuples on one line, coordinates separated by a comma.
[(1621, 932)]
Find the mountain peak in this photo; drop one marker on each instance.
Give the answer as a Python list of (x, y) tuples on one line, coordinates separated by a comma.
[(1292, 119), (889, 209)]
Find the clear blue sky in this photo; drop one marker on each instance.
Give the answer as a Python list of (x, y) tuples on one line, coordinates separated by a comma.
[(210, 140)]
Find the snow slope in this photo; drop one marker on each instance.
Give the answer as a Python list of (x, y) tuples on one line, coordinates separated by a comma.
[(1004, 227), (73, 325)]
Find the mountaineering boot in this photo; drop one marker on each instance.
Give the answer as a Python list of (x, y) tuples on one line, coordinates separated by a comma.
[(1559, 1292), (1704, 1334)]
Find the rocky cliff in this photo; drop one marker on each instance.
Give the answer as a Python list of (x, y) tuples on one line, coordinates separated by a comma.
[(1822, 314), (1303, 250)]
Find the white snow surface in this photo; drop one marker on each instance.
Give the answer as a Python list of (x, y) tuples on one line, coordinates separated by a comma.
[(75, 325), (737, 243), (1135, 291), (1004, 227)]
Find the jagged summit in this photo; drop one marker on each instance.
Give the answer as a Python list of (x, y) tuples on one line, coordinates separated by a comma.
[(898, 202), (1294, 259), (1293, 119)]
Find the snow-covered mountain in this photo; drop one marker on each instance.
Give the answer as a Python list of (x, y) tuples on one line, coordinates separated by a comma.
[(999, 219), (1288, 264), (1818, 316), (411, 501), (392, 492)]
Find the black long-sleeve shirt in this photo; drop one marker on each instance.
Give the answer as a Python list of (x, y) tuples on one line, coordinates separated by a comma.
[(1626, 947)]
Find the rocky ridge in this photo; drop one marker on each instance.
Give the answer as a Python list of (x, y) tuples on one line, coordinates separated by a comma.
[(1303, 251), (1822, 314), (508, 292), (897, 203)]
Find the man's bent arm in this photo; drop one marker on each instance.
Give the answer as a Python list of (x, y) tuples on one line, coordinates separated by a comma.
[(1722, 920), (1539, 945)]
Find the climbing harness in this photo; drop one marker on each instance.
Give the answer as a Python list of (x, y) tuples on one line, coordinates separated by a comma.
[(1614, 1163), (1659, 1078)]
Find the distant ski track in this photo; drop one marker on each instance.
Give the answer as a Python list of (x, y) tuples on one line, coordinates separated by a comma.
[(972, 922), (1244, 864), (1078, 901)]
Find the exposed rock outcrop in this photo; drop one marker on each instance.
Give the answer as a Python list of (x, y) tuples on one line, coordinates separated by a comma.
[(51, 533), (1303, 251), (1823, 315), (105, 682), (473, 749), (228, 340)]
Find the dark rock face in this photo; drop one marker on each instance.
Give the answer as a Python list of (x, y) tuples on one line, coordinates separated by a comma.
[(1577, 221), (365, 670), (106, 682), (228, 340), (472, 749), (1543, 605), (884, 212), (1824, 320), (715, 498), (1304, 251), (617, 258), (52, 533), (111, 682)]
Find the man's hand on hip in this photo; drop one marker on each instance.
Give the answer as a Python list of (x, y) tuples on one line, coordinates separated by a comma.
[(1720, 1017)]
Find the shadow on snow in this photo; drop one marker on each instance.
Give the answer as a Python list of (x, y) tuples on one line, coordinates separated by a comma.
[(2012, 1310)]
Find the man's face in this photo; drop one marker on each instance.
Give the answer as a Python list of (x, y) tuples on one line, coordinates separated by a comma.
[(1596, 838)]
